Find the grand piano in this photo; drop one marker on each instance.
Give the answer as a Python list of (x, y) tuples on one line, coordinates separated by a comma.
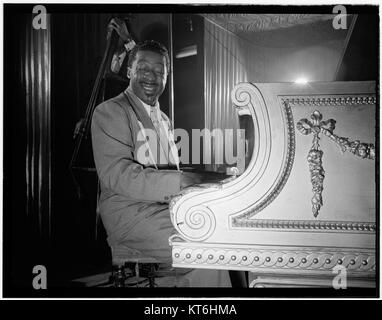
[(303, 212)]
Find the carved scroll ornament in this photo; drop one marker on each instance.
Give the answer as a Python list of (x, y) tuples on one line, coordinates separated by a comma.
[(316, 127)]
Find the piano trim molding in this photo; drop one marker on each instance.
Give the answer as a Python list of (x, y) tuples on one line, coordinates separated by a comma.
[(288, 163), (295, 225), (272, 258), (330, 100), (272, 281)]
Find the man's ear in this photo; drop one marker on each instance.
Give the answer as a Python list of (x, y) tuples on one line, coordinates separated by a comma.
[(128, 72)]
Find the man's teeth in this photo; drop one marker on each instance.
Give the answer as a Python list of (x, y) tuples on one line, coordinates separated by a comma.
[(149, 86)]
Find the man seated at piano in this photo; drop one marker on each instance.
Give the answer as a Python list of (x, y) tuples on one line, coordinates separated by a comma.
[(138, 165)]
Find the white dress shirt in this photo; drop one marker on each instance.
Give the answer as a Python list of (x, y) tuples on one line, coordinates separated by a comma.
[(168, 151)]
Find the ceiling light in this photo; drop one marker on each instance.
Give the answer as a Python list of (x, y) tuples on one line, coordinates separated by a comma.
[(301, 81), (187, 52)]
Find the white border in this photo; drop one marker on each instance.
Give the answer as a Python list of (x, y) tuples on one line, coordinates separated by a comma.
[(168, 2)]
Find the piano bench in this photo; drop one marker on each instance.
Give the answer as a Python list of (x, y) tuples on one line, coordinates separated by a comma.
[(131, 268)]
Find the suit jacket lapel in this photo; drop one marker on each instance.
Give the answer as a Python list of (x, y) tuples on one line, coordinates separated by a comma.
[(145, 119)]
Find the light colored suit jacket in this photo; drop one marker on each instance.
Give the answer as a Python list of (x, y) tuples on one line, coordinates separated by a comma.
[(130, 191)]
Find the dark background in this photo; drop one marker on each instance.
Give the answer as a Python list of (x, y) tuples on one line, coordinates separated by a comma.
[(70, 243)]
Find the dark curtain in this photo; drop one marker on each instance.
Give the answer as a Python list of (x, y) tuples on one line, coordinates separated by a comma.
[(36, 71), (78, 45), (48, 79), (27, 147)]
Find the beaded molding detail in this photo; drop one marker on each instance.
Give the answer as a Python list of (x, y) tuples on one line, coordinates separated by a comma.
[(331, 101), (337, 226), (303, 260)]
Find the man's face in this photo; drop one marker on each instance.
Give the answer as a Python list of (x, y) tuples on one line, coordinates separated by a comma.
[(148, 75)]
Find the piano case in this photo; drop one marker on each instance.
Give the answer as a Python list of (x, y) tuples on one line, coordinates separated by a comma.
[(303, 212)]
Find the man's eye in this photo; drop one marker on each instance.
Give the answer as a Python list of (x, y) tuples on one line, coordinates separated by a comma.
[(146, 70), (143, 69)]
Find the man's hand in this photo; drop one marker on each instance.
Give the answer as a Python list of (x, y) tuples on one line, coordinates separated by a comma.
[(190, 179), (120, 27), (78, 128)]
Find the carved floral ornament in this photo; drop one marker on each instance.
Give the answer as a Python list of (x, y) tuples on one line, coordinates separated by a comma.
[(316, 127)]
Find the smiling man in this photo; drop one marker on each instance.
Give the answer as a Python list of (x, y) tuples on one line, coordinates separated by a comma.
[(148, 73), (135, 193)]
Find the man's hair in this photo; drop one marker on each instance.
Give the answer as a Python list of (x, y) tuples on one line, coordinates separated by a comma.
[(149, 45)]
